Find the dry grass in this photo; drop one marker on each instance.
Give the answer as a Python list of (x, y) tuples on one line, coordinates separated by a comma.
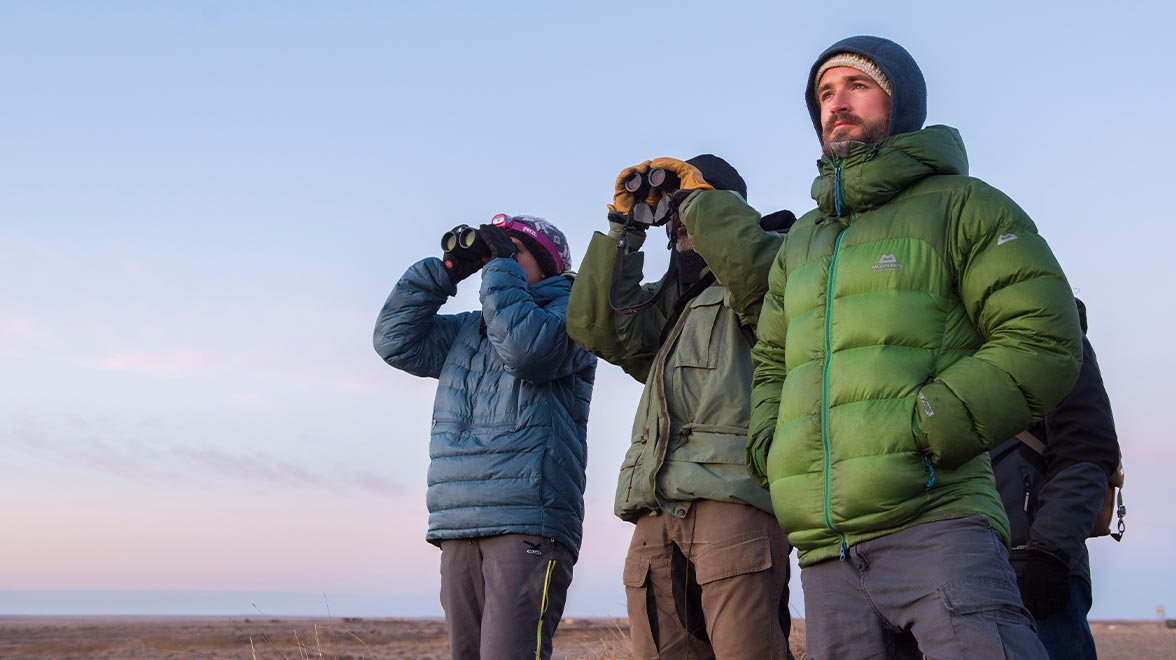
[(137, 638)]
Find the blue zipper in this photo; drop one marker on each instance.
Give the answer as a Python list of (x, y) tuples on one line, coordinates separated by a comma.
[(825, 383), (837, 191)]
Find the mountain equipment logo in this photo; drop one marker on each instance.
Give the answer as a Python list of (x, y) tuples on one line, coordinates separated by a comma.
[(927, 409), (1005, 238), (533, 548), (887, 262)]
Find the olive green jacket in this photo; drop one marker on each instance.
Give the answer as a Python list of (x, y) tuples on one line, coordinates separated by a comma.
[(690, 430), (913, 321)]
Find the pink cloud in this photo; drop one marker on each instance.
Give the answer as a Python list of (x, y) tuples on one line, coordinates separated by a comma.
[(162, 362), (148, 462)]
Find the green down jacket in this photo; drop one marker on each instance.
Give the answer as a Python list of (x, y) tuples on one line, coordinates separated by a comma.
[(689, 435), (913, 321)]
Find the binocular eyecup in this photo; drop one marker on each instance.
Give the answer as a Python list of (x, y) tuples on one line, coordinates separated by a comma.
[(663, 180)]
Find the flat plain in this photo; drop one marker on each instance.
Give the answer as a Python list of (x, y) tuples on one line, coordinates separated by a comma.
[(166, 638)]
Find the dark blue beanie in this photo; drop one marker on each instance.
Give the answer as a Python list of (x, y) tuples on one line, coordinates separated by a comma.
[(719, 173), (908, 100)]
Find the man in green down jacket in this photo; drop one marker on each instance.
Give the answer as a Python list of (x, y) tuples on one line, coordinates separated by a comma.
[(914, 320), (707, 562)]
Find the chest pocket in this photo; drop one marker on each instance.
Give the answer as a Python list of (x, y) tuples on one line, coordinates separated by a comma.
[(694, 344)]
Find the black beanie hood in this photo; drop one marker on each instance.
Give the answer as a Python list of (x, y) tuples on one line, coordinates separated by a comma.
[(719, 173), (908, 102)]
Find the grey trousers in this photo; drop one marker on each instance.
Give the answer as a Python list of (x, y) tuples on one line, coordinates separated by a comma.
[(713, 584), (503, 596), (943, 589)]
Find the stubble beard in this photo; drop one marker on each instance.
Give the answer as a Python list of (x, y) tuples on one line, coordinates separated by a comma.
[(838, 143)]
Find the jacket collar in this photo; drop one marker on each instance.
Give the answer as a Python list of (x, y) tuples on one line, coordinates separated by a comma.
[(872, 175), (551, 288)]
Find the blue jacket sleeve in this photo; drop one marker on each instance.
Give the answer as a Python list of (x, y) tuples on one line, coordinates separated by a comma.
[(531, 340), (410, 334)]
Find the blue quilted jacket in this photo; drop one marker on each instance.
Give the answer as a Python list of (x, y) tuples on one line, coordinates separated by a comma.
[(510, 418)]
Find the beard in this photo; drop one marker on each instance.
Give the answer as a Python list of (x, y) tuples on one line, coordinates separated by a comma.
[(837, 142), (690, 265)]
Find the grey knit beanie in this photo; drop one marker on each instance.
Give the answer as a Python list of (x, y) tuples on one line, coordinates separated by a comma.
[(854, 61), (552, 252)]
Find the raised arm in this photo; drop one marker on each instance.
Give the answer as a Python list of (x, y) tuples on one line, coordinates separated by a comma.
[(627, 340), (727, 234), (531, 339), (409, 333)]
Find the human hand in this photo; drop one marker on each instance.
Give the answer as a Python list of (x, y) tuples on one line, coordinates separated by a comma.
[(689, 176), (623, 198), (460, 262), (1045, 585), (501, 247)]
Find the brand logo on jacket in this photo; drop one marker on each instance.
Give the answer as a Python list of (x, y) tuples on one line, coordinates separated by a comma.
[(887, 262), (1005, 238), (927, 409)]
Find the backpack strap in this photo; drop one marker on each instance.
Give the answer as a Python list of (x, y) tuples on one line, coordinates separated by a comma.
[(1032, 441), (1113, 504)]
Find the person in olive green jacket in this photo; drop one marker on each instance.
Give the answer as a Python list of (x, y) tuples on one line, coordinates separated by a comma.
[(707, 562), (913, 321)]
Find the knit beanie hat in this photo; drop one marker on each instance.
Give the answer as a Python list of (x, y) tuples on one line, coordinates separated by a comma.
[(544, 241), (854, 61), (719, 173), (897, 71)]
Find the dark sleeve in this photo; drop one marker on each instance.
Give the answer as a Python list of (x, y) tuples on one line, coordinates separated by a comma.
[(1082, 451)]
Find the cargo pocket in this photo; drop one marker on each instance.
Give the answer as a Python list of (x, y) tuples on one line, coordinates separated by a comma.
[(639, 593), (987, 618), (750, 555)]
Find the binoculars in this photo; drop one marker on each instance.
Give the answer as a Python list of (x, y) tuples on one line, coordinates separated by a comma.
[(641, 185), (467, 240)]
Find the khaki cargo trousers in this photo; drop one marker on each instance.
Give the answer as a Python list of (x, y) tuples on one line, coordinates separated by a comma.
[(710, 584)]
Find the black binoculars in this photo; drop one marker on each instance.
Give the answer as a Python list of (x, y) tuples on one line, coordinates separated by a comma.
[(659, 179), (465, 239)]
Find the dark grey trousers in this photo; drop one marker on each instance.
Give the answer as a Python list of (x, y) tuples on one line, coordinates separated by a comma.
[(503, 596), (943, 589)]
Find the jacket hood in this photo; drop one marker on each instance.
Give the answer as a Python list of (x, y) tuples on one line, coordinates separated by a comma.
[(908, 102), (872, 175)]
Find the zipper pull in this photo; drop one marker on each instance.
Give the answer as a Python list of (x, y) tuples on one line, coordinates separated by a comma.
[(844, 548), (1026, 494), (837, 189), (930, 472)]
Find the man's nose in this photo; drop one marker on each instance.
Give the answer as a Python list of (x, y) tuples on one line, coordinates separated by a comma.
[(840, 101)]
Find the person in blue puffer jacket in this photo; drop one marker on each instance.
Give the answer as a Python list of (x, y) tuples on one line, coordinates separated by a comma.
[(508, 448)]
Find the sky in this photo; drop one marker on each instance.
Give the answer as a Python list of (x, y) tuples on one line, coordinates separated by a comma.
[(203, 206)]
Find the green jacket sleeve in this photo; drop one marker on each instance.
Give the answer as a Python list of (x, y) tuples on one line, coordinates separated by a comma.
[(1016, 295), (727, 234), (629, 341), (768, 358)]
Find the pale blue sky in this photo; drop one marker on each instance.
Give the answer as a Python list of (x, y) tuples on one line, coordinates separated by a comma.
[(203, 205)]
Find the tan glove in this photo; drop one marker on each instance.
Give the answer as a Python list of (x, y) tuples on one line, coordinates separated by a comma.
[(688, 175), (623, 200)]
